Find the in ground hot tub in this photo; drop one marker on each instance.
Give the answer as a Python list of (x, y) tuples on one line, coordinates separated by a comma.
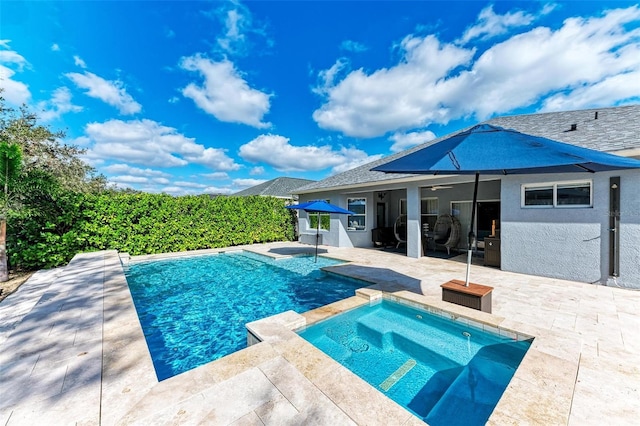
[(445, 372)]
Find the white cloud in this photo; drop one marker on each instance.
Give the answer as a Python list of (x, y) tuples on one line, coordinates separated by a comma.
[(59, 104), (404, 96), (13, 91), (133, 171), (215, 176), (224, 93), (490, 24), (246, 183), (128, 179), (55, 47), (258, 170), (152, 144), (218, 190), (186, 184), (353, 46), (174, 100), (110, 92), (79, 62), (161, 180), (276, 151), (436, 82), (240, 31), (402, 141)]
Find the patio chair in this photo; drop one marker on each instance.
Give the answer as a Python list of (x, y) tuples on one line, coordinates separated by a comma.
[(400, 229), (447, 232)]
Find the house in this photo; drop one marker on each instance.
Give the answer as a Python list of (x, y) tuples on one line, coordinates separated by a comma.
[(282, 187), (587, 230)]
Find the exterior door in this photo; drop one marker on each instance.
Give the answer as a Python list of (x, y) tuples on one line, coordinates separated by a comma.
[(381, 215)]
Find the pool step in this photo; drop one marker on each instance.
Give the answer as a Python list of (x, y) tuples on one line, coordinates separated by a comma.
[(468, 397), (417, 343), (478, 388)]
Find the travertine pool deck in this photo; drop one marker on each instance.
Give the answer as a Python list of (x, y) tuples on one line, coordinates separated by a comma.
[(72, 352)]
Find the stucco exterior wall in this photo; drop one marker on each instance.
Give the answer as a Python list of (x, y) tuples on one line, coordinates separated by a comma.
[(571, 243)]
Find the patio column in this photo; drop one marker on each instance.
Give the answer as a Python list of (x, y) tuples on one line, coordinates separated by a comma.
[(414, 240)]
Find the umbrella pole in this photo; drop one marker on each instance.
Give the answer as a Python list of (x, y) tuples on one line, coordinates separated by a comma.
[(472, 235), (317, 237)]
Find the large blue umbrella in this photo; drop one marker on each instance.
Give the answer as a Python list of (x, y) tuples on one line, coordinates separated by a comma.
[(493, 150), (319, 206)]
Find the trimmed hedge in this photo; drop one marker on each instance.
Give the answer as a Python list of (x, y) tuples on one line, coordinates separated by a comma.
[(140, 223)]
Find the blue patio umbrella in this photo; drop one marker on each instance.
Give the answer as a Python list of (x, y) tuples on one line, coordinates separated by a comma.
[(491, 149), (319, 206)]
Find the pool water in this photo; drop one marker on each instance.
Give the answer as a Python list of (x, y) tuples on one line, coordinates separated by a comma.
[(444, 372), (194, 310)]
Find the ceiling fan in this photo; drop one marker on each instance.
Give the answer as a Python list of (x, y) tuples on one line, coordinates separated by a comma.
[(437, 187)]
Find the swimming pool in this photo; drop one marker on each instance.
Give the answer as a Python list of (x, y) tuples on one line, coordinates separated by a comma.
[(444, 372), (193, 310)]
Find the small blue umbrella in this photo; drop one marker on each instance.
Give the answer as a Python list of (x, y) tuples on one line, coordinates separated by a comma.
[(493, 150), (319, 206)]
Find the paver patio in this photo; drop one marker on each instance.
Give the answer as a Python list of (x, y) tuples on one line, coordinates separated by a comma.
[(72, 351)]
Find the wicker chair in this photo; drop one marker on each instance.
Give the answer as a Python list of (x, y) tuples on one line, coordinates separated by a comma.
[(447, 231)]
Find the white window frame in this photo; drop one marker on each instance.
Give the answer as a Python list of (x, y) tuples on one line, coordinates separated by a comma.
[(364, 215), (554, 187)]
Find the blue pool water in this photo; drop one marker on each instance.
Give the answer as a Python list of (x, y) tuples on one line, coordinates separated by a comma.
[(194, 310), (442, 371)]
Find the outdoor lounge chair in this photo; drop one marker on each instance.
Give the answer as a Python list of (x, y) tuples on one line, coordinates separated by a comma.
[(447, 231)]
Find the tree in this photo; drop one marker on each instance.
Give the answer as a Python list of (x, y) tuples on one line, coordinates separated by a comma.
[(43, 150), (10, 165), (52, 176)]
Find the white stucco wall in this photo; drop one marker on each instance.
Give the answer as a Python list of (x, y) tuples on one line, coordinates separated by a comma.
[(571, 243)]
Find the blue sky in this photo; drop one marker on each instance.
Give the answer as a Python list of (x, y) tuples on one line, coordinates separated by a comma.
[(214, 97)]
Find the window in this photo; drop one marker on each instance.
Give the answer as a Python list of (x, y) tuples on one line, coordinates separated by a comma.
[(325, 220), (428, 212), (357, 222), (566, 194)]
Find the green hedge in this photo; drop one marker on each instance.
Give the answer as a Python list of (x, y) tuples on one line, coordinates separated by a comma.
[(142, 223)]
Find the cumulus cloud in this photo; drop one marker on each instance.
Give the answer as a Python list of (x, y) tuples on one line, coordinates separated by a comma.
[(215, 176), (149, 143), (491, 24), (258, 170), (133, 171), (224, 93), (404, 96), (246, 183), (187, 184), (574, 65), (129, 179), (55, 47), (110, 92), (276, 151), (402, 141), (15, 92), (59, 104)]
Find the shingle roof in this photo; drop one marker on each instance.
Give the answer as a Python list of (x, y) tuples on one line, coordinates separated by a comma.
[(282, 187), (614, 129)]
